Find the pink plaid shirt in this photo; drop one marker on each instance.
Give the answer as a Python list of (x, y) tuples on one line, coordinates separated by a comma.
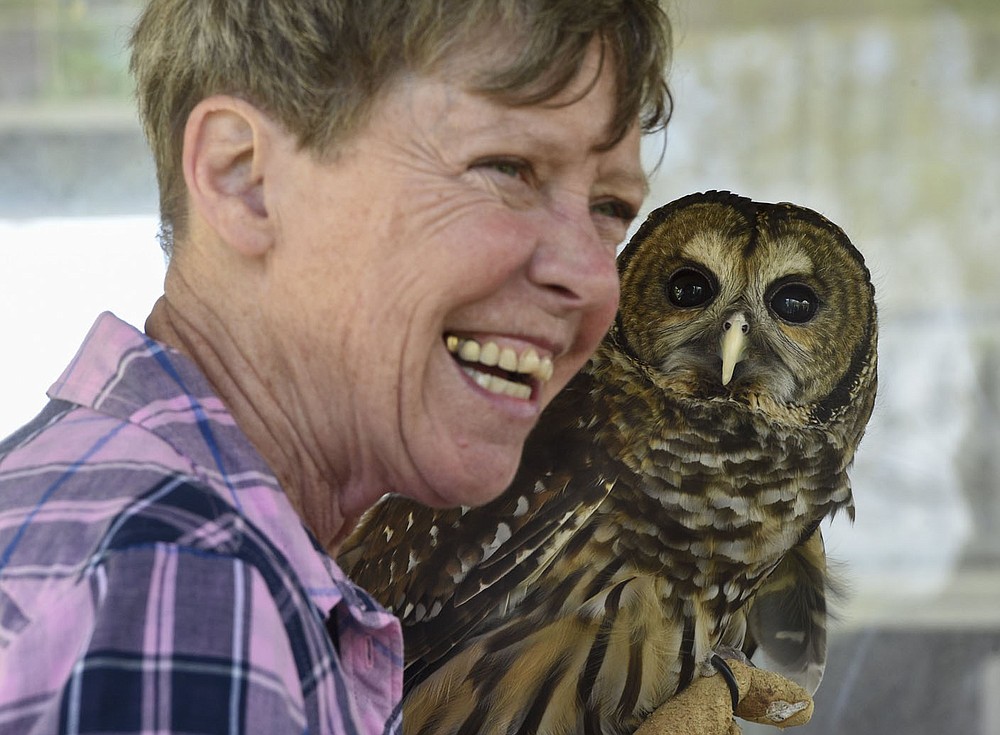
[(155, 579)]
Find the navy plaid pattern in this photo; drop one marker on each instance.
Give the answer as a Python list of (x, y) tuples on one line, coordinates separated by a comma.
[(154, 578)]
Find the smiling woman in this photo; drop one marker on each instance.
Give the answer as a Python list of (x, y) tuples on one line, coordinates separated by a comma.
[(523, 262), (391, 228)]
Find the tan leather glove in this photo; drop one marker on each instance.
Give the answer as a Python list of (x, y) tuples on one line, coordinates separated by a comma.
[(706, 708)]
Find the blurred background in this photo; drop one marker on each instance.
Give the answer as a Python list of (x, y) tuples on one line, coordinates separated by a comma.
[(883, 116)]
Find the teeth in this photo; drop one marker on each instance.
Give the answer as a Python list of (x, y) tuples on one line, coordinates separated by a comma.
[(496, 384), (469, 351), (508, 359), (491, 354), (529, 362), (545, 369)]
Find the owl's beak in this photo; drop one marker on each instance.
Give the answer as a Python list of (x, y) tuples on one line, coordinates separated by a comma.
[(734, 344)]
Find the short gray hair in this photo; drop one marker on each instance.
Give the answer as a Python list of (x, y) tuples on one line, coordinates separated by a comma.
[(317, 66)]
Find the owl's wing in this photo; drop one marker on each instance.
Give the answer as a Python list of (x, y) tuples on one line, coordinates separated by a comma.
[(786, 623), (447, 573)]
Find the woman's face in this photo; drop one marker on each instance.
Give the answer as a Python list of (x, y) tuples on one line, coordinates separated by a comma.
[(443, 276)]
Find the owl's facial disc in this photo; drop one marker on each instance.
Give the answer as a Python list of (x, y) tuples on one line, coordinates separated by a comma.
[(501, 370)]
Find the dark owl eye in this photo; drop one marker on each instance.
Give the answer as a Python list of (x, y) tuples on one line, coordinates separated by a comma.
[(795, 303), (688, 287)]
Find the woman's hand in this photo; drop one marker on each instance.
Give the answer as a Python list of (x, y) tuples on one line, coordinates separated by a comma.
[(705, 707)]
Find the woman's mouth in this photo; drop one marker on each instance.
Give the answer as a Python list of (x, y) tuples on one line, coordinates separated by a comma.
[(500, 370)]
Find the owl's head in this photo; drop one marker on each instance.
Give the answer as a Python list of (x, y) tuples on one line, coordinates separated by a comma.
[(726, 298)]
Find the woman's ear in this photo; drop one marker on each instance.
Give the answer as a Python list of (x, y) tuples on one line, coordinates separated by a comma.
[(225, 142)]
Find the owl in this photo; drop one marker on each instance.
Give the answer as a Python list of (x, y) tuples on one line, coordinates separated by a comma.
[(668, 504)]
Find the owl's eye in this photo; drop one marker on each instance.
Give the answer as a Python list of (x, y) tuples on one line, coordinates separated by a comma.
[(688, 288), (795, 303)]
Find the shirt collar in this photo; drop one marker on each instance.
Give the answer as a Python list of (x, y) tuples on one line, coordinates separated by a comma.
[(121, 372)]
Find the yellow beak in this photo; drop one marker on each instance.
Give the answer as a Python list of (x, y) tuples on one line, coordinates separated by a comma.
[(734, 344)]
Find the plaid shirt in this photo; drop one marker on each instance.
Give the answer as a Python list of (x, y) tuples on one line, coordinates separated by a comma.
[(155, 579)]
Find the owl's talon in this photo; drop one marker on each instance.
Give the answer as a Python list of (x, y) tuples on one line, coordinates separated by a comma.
[(722, 667), (729, 653)]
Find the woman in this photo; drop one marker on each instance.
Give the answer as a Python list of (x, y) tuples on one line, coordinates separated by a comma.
[(361, 201)]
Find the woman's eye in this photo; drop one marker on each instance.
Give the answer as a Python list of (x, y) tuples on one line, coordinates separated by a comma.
[(616, 209), (512, 167), (509, 168)]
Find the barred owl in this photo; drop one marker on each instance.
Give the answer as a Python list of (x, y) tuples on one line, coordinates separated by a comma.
[(668, 503)]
